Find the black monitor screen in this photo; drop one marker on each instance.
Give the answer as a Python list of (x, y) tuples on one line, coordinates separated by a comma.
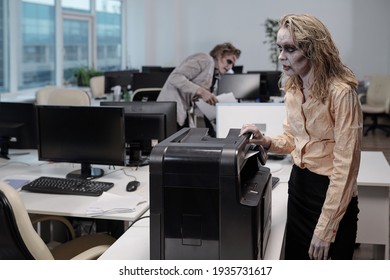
[(145, 123), (80, 134), (243, 86), (122, 78), (150, 68), (238, 69), (17, 126), (149, 80), (269, 83)]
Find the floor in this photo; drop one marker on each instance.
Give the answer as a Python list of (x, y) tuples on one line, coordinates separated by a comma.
[(376, 141)]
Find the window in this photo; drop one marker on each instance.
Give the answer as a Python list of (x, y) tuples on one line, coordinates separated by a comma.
[(109, 34), (49, 41), (37, 44), (77, 33), (83, 6), (4, 47)]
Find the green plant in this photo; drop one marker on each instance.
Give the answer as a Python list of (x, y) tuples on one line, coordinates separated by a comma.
[(271, 30), (84, 74)]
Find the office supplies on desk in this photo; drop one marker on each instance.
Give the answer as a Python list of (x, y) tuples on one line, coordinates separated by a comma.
[(110, 203), (210, 110), (132, 186), (70, 186), (16, 183)]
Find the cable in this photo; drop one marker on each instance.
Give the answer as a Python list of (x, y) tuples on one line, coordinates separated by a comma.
[(15, 162), (116, 170), (140, 218)]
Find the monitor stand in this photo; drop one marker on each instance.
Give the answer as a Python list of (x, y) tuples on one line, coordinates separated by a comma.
[(136, 158), (86, 172), (10, 128), (4, 147)]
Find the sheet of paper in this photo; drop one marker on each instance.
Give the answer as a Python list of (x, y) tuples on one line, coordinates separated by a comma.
[(16, 183), (209, 110), (113, 203), (250, 154)]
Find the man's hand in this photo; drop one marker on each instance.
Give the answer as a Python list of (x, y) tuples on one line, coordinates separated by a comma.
[(206, 96), (319, 249)]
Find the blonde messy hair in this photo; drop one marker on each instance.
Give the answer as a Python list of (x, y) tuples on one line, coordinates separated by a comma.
[(312, 36)]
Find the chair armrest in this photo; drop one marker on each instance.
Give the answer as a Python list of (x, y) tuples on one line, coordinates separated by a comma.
[(92, 253), (362, 98), (43, 218), (387, 105)]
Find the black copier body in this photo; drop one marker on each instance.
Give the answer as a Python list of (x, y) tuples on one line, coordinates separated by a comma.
[(208, 198)]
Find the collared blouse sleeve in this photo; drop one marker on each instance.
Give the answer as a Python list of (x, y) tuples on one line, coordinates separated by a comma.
[(348, 122)]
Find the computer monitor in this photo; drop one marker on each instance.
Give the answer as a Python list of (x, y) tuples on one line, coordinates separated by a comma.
[(155, 68), (121, 78), (238, 69), (243, 86), (149, 80), (17, 127), (81, 134), (269, 83), (146, 124), (167, 69), (150, 68)]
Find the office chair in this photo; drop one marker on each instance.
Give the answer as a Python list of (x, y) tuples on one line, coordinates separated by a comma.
[(97, 85), (146, 94), (42, 94), (376, 103), (62, 96), (20, 241)]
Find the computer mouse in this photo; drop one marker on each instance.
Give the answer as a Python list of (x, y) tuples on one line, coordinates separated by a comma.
[(132, 186)]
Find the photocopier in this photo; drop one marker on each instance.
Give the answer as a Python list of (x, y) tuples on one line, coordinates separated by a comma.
[(210, 198)]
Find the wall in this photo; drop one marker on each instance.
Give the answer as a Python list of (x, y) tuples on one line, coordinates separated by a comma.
[(163, 32)]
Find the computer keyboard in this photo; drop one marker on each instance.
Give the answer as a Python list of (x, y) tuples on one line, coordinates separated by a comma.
[(54, 185)]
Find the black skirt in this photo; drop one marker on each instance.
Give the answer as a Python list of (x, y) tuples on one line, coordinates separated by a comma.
[(307, 192)]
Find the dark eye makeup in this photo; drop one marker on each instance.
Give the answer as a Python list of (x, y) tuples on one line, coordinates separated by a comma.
[(287, 48)]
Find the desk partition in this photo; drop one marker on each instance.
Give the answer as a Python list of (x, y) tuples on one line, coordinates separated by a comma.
[(268, 117)]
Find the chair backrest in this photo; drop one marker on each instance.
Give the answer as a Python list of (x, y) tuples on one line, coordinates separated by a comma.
[(43, 93), (18, 238), (146, 94), (97, 86), (378, 92), (62, 96)]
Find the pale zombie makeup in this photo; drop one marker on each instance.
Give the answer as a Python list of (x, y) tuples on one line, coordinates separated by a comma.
[(225, 63), (291, 57)]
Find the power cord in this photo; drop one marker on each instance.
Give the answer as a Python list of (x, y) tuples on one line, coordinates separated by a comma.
[(137, 220)]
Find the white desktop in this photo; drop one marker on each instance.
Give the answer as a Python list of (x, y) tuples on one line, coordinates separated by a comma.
[(268, 117), (115, 204), (373, 183)]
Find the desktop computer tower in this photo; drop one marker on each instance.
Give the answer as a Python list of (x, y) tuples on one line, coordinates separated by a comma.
[(208, 198)]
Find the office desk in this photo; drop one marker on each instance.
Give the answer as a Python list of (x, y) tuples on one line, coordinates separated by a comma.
[(373, 225), (28, 167), (373, 183), (373, 186)]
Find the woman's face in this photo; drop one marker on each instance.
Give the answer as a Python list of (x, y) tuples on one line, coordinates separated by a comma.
[(291, 57), (225, 63)]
